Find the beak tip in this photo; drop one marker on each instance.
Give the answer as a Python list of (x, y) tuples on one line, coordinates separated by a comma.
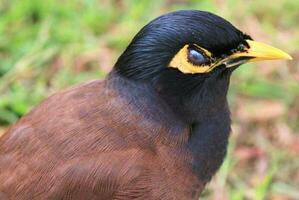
[(263, 51), (287, 57)]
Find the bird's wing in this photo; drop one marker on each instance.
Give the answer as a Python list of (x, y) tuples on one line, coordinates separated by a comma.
[(69, 143)]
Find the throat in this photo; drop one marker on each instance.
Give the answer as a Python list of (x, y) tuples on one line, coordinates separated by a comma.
[(194, 97), (200, 102), (208, 144)]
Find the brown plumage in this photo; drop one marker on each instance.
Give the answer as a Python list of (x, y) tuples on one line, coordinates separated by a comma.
[(156, 128), (89, 142)]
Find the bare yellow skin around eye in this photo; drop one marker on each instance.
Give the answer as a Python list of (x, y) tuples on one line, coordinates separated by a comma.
[(180, 62)]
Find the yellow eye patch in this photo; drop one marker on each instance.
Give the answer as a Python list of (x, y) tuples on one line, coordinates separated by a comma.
[(182, 63), (193, 59)]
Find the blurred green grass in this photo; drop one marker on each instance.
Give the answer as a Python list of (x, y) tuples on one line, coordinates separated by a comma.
[(48, 45)]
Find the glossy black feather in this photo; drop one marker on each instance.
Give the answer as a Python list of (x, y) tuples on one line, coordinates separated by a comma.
[(152, 49)]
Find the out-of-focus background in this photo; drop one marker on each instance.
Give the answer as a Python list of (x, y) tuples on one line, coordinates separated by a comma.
[(47, 45)]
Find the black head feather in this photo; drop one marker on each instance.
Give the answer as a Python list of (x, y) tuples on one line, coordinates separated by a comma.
[(154, 46)]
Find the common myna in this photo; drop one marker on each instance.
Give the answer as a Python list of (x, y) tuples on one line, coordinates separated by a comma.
[(156, 128)]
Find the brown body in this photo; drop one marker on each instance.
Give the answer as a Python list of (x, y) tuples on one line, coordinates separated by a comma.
[(92, 142)]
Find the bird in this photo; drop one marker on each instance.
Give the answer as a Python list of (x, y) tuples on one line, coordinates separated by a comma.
[(157, 127)]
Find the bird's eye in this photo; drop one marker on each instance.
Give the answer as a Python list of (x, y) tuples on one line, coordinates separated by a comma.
[(196, 57)]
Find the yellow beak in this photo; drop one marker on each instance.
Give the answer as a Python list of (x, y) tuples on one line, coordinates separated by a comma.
[(258, 51)]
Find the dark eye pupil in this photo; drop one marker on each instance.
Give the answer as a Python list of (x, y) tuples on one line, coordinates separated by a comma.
[(196, 57)]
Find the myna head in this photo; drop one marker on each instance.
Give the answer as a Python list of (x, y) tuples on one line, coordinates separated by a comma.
[(193, 42), (186, 50)]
